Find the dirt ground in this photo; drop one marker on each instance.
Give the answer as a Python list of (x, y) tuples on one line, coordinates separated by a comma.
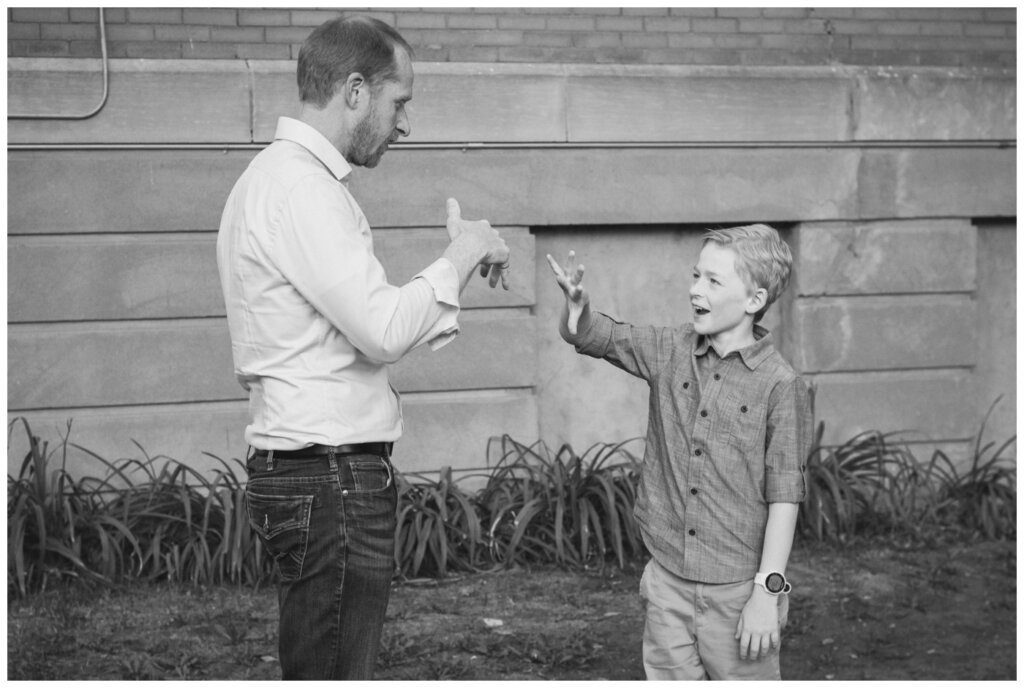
[(876, 611)]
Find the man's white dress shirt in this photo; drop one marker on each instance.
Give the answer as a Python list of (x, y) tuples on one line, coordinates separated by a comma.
[(313, 319)]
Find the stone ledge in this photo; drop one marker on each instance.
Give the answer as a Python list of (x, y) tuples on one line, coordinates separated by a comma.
[(238, 101)]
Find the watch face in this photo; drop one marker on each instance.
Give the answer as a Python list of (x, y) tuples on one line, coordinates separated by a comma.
[(775, 582)]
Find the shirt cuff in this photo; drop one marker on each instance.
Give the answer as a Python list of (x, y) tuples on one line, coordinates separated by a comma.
[(443, 279), (594, 342), (785, 486)]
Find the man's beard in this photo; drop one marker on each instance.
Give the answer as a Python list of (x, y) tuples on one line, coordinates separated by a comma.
[(362, 153)]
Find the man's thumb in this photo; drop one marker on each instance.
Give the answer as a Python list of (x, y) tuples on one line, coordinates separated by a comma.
[(454, 211), (454, 218)]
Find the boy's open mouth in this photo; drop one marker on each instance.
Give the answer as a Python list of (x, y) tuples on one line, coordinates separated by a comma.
[(700, 311)]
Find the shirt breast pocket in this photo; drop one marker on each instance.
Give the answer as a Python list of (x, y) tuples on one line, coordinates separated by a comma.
[(746, 420)]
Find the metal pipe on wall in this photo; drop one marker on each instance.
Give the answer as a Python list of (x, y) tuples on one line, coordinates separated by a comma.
[(106, 85), (964, 143)]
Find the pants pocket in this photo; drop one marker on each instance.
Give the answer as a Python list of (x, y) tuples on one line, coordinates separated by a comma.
[(371, 475), (282, 523)]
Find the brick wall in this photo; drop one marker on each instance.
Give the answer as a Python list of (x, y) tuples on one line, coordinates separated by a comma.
[(956, 37)]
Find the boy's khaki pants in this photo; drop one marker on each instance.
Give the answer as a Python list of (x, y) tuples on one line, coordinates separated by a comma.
[(689, 632)]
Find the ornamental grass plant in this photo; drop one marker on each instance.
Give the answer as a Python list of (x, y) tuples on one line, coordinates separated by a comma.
[(570, 509), (153, 518), (873, 484), (157, 519)]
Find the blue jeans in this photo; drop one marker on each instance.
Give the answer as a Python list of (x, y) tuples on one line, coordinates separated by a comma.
[(329, 522)]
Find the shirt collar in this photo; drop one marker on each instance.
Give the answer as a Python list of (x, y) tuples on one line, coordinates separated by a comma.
[(751, 355), (316, 143)]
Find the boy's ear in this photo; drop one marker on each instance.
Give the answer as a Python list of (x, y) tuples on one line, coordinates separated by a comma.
[(757, 300)]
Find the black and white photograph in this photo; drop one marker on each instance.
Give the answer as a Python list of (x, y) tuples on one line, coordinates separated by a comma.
[(511, 343)]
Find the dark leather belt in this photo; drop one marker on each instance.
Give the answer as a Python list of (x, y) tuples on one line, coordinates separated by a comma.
[(313, 451)]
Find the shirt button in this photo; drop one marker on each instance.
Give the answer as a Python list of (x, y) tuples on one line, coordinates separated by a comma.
[(686, 385), (743, 409), (692, 531), (704, 414), (717, 376), (697, 452), (693, 490)]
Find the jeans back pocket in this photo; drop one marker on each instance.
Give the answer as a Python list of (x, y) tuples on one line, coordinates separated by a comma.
[(282, 523)]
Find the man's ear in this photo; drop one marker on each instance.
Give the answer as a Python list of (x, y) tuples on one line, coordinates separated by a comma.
[(757, 300), (355, 90)]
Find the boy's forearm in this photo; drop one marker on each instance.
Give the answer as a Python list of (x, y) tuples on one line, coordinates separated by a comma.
[(778, 536)]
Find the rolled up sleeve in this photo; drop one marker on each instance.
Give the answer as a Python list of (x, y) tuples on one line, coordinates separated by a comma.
[(788, 441)]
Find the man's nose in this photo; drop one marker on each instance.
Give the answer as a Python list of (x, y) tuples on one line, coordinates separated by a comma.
[(403, 126)]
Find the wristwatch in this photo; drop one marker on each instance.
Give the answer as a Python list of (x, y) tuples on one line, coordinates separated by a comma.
[(774, 583)]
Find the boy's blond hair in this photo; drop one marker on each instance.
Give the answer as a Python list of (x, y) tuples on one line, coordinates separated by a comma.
[(763, 260)]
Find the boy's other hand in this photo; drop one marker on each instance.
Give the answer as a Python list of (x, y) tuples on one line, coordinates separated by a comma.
[(758, 629), (569, 279)]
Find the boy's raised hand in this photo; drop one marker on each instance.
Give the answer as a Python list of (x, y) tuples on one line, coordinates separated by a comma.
[(569, 279)]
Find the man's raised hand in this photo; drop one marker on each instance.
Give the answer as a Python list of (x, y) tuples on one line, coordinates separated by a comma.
[(569, 279), (496, 254)]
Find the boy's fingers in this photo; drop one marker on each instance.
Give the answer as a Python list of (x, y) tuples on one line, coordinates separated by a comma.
[(745, 645), (555, 267)]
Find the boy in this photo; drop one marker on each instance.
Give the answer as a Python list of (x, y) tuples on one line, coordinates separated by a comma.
[(729, 428)]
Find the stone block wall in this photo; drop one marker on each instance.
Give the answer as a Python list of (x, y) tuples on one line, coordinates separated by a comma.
[(888, 325), (895, 188)]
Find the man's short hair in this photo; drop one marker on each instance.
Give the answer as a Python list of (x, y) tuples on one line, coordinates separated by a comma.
[(763, 260), (341, 46)]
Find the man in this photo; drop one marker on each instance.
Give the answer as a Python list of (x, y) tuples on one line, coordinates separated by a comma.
[(313, 324)]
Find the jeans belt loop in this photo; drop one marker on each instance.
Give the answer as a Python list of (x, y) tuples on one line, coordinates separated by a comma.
[(270, 459)]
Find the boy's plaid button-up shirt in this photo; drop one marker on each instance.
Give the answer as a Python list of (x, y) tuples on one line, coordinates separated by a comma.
[(725, 438)]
